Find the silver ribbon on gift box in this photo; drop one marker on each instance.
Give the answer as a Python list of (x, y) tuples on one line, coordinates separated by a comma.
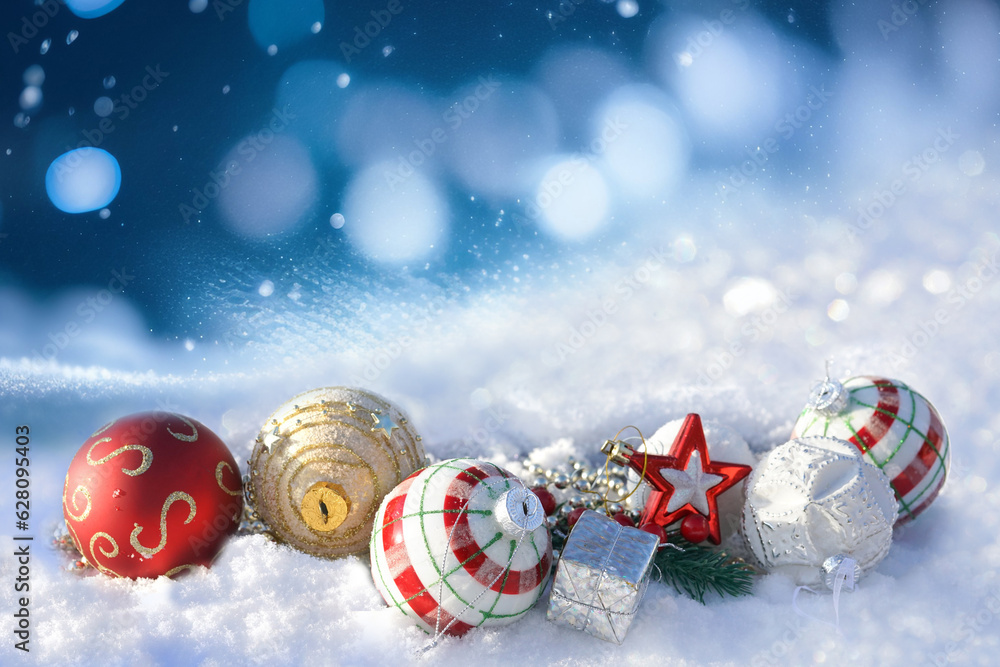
[(601, 577)]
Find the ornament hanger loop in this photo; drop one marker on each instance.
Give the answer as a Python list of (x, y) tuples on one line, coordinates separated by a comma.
[(612, 449), (828, 396)]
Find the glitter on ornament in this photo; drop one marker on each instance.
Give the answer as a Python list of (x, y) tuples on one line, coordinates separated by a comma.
[(461, 544), (322, 464), (152, 494), (893, 426)]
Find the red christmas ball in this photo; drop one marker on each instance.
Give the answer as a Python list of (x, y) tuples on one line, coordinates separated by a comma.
[(152, 494), (624, 520), (546, 498), (575, 515), (695, 528), (655, 529)]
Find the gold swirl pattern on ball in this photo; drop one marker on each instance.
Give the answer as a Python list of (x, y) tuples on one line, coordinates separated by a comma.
[(171, 499), (293, 473), (147, 457), (76, 539), (104, 428), (332, 436), (181, 436), (86, 511), (107, 554), (174, 570), (218, 478)]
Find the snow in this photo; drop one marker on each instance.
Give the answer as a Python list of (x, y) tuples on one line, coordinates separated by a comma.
[(506, 374), (768, 209)]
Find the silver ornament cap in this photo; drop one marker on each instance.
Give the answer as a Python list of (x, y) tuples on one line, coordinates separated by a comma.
[(832, 566), (828, 397), (519, 511)]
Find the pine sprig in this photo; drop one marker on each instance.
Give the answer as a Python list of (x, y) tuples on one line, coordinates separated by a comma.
[(695, 570), (692, 569)]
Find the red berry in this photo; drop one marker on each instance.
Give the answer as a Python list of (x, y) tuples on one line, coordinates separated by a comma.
[(546, 498), (694, 528), (655, 529), (575, 515), (623, 519)]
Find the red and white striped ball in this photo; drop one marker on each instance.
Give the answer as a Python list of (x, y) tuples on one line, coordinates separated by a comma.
[(895, 428), (445, 552)]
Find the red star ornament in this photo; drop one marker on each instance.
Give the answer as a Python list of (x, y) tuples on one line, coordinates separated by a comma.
[(683, 482)]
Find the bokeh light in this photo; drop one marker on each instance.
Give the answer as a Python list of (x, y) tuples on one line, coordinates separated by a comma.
[(391, 220), (572, 200), (747, 295), (30, 98), (269, 187), (937, 281), (731, 78), (82, 180), (577, 79), (103, 106), (637, 135), (389, 121), (310, 91), (498, 128), (282, 24), (34, 75), (92, 9)]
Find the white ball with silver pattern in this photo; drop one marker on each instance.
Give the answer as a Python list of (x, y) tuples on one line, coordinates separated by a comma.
[(813, 498)]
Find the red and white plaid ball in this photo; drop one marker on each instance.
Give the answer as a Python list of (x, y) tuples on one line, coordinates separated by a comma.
[(460, 544), (895, 428)]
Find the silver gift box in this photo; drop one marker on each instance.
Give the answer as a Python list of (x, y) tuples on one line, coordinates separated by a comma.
[(601, 577)]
